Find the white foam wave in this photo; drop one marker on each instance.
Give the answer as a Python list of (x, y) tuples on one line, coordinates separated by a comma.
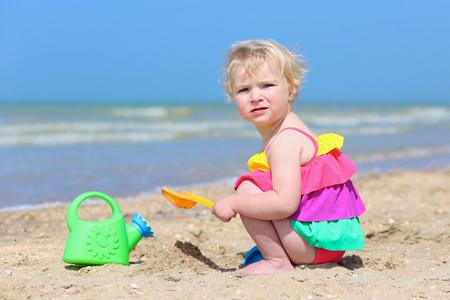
[(406, 116), (373, 130), (73, 133), (31, 206), (153, 112), (405, 153)]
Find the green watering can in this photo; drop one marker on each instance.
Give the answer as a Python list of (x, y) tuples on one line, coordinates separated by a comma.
[(103, 242)]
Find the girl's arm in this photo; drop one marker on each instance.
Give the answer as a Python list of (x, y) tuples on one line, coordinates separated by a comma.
[(284, 156)]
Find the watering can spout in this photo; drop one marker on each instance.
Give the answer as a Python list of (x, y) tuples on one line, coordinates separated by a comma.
[(136, 230)]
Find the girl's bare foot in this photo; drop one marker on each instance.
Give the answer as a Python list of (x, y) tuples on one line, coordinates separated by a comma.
[(264, 267)]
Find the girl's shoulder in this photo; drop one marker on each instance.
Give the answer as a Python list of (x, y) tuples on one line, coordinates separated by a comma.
[(295, 137), (303, 131)]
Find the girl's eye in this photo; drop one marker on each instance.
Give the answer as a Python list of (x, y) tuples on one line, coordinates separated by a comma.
[(268, 85), (243, 90)]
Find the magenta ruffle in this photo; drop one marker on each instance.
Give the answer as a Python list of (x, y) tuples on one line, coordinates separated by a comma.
[(323, 171), (336, 202)]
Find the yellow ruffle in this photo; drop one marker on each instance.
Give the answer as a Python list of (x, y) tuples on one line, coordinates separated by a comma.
[(326, 143), (258, 161)]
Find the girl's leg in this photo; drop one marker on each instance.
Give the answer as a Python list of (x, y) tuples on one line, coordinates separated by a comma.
[(266, 238), (278, 242), (298, 249)]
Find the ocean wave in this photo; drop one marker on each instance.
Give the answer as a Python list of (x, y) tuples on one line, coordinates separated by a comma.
[(405, 116), (31, 206), (398, 154), (103, 132), (373, 130), (151, 112), (119, 127)]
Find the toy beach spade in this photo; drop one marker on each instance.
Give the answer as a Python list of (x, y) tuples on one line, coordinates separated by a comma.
[(103, 242), (185, 199)]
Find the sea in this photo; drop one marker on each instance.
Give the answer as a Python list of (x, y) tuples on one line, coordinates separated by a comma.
[(51, 152)]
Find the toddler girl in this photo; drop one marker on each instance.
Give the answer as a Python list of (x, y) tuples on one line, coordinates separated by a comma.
[(298, 203)]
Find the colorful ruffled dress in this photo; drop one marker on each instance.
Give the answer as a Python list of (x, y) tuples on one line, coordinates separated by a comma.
[(327, 216)]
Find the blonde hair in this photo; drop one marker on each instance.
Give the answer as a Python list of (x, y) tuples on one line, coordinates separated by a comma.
[(252, 54)]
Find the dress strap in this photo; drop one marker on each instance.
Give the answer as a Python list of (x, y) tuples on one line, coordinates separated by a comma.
[(313, 140)]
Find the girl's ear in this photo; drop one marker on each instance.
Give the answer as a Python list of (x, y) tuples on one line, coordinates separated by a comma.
[(293, 90)]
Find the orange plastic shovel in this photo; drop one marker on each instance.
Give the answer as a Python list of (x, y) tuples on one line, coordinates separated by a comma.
[(185, 199)]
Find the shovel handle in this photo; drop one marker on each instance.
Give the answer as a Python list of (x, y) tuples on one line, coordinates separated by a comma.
[(198, 199)]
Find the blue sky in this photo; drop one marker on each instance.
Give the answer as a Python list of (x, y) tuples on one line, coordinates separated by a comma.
[(173, 50)]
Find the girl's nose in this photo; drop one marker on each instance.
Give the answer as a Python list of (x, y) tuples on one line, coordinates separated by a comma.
[(255, 95)]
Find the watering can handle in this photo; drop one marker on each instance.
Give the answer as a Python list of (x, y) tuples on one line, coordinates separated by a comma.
[(72, 213)]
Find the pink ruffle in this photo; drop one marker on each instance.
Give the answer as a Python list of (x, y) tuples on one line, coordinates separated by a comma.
[(337, 202), (323, 171), (262, 179), (327, 170)]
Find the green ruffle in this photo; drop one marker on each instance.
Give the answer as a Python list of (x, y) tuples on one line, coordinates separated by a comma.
[(339, 235)]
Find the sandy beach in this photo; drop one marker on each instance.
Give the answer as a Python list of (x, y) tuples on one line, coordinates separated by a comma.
[(195, 256)]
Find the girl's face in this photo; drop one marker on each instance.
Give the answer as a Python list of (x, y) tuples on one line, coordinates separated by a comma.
[(262, 99)]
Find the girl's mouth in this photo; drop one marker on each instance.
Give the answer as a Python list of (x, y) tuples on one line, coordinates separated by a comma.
[(258, 110)]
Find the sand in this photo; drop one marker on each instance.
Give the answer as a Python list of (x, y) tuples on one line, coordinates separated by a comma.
[(195, 256)]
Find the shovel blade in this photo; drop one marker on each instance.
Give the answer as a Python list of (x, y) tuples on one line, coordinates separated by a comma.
[(179, 200)]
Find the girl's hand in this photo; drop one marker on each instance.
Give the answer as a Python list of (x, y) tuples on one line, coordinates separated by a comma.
[(222, 209)]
